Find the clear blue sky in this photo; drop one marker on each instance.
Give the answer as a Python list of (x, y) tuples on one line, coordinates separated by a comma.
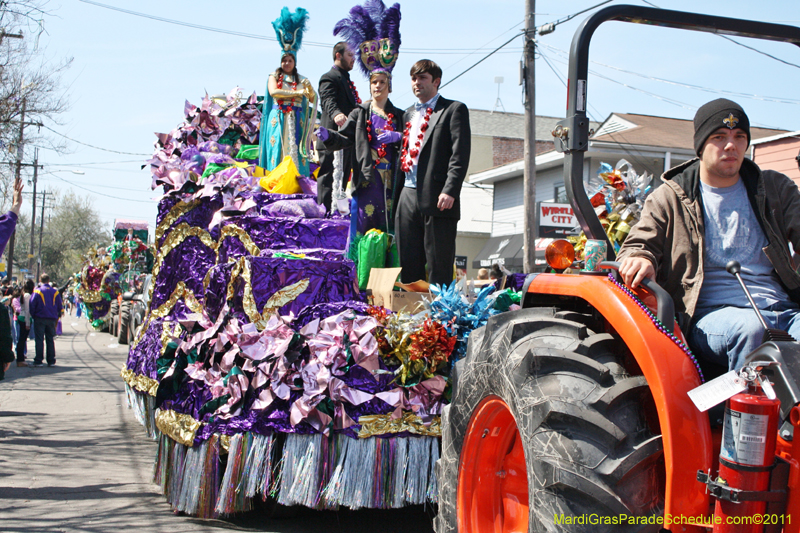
[(131, 75)]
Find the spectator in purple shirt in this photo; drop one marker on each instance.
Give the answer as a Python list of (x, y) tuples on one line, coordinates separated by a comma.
[(45, 309)]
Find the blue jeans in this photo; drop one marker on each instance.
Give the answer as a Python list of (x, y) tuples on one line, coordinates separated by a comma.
[(726, 335), (45, 328)]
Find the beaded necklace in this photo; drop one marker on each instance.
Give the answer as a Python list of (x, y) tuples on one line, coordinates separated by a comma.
[(653, 318), (408, 157), (371, 130), (355, 92), (285, 107)]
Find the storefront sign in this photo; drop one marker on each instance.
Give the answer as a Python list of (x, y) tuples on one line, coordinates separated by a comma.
[(557, 220)]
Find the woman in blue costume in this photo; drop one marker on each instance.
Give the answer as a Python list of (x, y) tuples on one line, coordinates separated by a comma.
[(287, 120)]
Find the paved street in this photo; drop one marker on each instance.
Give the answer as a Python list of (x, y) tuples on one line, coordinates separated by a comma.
[(74, 459)]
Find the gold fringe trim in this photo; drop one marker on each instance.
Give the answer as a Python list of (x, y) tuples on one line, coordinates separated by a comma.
[(139, 382), (372, 425), (179, 427)]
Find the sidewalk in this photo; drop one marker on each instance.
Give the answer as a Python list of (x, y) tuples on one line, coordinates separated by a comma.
[(74, 459)]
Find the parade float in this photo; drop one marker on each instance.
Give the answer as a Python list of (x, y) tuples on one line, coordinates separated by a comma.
[(260, 367), (109, 271)]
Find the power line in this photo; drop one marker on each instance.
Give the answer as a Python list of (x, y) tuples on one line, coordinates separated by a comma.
[(741, 44), (654, 95), (90, 145), (100, 163), (96, 185), (760, 52), (776, 99), (102, 194), (195, 26), (484, 58), (561, 79), (253, 35), (482, 47), (550, 26)]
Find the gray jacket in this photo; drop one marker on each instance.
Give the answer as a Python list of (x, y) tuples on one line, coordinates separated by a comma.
[(671, 231)]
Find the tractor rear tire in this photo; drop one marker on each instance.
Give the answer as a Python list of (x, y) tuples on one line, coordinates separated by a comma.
[(550, 424), (111, 318), (124, 322)]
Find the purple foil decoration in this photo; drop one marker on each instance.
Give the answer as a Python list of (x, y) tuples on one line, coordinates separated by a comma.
[(328, 281), (284, 233), (142, 357), (188, 262), (305, 207), (200, 216), (308, 185)]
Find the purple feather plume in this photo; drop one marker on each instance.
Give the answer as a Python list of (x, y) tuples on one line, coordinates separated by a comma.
[(368, 22), (375, 8), (390, 25)]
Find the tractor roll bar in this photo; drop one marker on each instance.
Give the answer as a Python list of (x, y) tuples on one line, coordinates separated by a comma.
[(665, 307), (572, 133)]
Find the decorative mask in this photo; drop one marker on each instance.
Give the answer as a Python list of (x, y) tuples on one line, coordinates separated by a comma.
[(388, 53), (370, 54)]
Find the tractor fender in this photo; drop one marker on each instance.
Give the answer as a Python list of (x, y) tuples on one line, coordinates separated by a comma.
[(669, 372)]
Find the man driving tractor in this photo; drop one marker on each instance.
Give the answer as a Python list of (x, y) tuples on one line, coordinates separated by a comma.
[(712, 210)]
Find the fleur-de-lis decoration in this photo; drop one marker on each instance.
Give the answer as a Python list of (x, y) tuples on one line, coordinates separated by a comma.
[(731, 121)]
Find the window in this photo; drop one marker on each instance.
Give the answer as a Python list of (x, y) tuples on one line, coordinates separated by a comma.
[(560, 194)]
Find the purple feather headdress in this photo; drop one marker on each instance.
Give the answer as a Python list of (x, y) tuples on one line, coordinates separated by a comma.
[(373, 31)]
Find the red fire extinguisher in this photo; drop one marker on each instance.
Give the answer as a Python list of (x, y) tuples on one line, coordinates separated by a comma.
[(747, 456)]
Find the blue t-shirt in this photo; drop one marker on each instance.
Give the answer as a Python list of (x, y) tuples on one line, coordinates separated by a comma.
[(732, 232)]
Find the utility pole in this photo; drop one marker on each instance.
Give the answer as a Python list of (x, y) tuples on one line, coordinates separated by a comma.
[(12, 35), (17, 177), (529, 178), (41, 232), (31, 253)]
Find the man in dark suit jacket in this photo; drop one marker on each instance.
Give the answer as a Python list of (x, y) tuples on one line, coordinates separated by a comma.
[(338, 97), (434, 160)]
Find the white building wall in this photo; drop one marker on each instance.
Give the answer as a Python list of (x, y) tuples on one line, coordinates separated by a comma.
[(508, 200)]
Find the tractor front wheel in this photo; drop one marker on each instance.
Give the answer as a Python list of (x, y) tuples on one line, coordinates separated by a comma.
[(550, 429)]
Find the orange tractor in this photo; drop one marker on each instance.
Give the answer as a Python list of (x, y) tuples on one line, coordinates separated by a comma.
[(574, 414)]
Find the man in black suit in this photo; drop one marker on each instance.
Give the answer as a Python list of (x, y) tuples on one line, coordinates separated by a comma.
[(338, 97), (434, 160)]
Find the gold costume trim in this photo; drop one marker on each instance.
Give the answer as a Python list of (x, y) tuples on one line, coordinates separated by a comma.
[(179, 427), (372, 425)]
